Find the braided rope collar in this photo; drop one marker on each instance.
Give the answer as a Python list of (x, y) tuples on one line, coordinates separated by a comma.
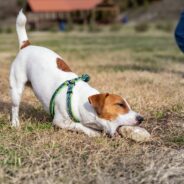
[(70, 84)]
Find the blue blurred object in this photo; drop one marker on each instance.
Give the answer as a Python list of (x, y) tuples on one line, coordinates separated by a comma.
[(62, 25), (125, 19), (179, 33)]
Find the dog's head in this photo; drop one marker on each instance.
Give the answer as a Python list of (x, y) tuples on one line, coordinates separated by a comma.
[(114, 111)]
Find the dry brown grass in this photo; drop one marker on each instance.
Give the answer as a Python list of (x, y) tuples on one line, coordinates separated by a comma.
[(146, 68)]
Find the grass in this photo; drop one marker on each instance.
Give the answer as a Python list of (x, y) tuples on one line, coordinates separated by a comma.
[(178, 140), (146, 68)]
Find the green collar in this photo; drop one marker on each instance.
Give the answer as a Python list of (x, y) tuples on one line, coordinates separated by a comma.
[(70, 84)]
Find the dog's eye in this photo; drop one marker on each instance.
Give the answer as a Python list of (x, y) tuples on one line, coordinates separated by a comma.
[(122, 105)]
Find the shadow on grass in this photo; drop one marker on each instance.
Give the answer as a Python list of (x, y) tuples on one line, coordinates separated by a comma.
[(27, 111)]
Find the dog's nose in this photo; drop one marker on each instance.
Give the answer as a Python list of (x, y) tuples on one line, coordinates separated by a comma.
[(139, 119)]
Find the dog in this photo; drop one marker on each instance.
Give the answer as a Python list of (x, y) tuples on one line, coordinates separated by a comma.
[(45, 71)]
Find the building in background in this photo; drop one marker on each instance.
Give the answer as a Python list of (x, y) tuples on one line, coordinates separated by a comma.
[(42, 14)]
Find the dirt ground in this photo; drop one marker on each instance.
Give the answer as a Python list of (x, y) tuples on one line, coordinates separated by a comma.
[(146, 68)]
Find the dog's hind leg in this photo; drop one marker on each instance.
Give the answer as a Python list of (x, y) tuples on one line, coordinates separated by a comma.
[(17, 83)]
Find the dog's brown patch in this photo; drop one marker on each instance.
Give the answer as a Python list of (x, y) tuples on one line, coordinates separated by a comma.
[(109, 106), (25, 44), (62, 65)]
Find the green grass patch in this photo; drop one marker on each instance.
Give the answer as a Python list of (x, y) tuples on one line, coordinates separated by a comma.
[(9, 157), (37, 126), (160, 115), (132, 67), (179, 140)]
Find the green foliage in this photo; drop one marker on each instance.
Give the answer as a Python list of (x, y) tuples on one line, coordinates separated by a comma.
[(8, 30), (165, 26), (81, 28), (93, 27), (115, 27), (54, 29), (20, 3), (106, 16), (142, 27), (69, 25)]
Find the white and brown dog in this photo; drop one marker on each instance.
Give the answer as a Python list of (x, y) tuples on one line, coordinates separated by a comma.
[(46, 70)]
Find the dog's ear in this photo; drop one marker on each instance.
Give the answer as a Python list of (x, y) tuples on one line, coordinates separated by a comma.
[(97, 101)]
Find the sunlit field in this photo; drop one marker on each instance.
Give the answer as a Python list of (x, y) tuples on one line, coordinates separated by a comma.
[(145, 68)]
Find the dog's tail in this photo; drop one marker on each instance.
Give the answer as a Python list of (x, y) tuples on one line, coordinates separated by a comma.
[(21, 30)]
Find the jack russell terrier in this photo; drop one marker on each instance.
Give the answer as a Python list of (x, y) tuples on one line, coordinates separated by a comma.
[(73, 103)]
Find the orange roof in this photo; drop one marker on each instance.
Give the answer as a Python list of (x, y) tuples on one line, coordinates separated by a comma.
[(62, 5)]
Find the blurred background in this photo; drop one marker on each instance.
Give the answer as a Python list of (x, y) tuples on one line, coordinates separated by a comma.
[(90, 15)]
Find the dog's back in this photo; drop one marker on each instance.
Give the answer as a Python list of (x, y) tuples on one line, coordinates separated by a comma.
[(37, 65)]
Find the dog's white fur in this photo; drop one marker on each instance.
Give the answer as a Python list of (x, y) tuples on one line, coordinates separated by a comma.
[(38, 66)]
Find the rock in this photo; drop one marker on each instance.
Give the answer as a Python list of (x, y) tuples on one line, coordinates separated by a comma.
[(135, 133)]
